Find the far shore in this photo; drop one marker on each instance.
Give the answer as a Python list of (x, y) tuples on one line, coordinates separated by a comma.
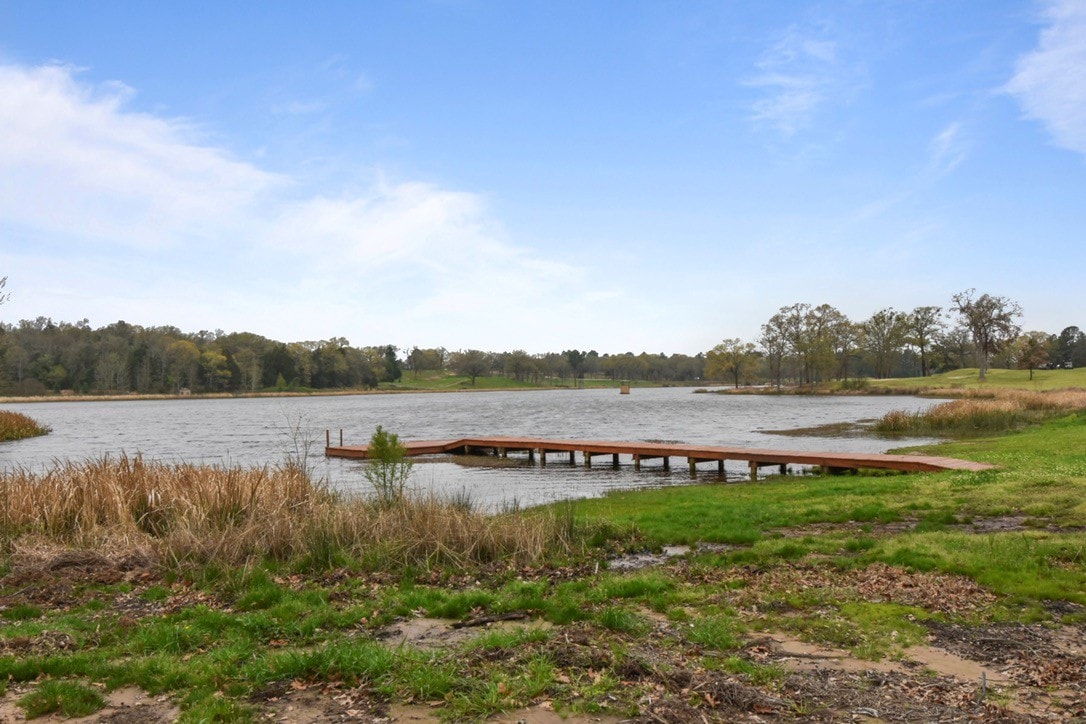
[(285, 393)]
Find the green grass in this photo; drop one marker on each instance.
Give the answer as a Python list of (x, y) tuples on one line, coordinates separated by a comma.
[(69, 698), (969, 379)]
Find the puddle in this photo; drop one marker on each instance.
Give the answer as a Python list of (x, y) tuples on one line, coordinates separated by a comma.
[(637, 561)]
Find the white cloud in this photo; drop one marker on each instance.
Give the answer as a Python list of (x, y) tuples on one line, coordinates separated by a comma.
[(75, 161), (82, 177), (797, 75), (948, 148), (1050, 81)]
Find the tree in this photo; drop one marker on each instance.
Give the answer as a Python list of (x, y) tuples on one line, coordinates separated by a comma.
[(4, 296), (1032, 351), (884, 335), (182, 361), (774, 347), (990, 320), (923, 326), (1071, 348), (471, 363), (731, 358), (216, 368)]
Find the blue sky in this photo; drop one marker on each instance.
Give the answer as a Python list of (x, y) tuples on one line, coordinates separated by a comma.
[(619, 176)]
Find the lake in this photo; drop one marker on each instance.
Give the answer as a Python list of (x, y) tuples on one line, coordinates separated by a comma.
[(257, 431)]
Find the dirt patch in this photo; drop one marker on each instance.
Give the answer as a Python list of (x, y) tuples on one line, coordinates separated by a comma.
[(128, 705), (65, 578), (980, 525), (650, 559), (540, 714), (1028, 654), (436, 633), (878, 583), (299, 701)]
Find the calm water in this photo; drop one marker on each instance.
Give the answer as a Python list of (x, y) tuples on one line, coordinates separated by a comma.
[(258, 432)]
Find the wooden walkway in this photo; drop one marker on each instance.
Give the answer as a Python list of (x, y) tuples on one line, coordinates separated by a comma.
[(694, 454)]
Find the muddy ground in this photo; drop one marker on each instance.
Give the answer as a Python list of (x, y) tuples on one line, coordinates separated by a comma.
[(993, 672)]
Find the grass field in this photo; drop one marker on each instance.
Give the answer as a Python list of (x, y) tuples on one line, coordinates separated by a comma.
[(969, 379), (240, 595)]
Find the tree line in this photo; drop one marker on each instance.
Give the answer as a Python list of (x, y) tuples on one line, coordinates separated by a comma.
[(802, 344), (41, 356)]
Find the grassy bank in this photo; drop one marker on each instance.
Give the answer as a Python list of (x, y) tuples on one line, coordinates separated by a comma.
[(980, 411), (997, 379), (17, 426), (242, 595)]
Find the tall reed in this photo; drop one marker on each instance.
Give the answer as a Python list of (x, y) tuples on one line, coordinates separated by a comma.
[(16, 426), (181, 513), (984, 411)]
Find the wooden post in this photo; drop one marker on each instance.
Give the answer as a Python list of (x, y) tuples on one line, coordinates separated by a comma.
[(753, 471), (614, 460), (637, 462), (531, 455), (572, 458), (542, 457), (327, 439), (720, 468), (693, 467), (667, 463), (587, 459), (341, 437)]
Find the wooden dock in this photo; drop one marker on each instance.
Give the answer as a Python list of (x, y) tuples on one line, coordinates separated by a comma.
[(831, 462)]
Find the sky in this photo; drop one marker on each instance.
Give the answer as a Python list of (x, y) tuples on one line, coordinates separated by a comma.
[(617, 175)]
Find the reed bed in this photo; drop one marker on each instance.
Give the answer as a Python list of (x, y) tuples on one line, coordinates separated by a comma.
[(985, 411), (182, 514), (17, 426)]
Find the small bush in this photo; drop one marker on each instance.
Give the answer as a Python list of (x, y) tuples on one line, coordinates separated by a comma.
[(388, 468)]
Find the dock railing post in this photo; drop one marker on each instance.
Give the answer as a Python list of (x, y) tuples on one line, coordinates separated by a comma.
[(327, 439), (341, 437)]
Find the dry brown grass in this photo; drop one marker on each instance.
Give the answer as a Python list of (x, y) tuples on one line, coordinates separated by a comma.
[(182, 513), (16, 426), (993, 410)]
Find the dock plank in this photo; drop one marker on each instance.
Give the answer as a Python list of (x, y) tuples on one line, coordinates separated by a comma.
[(693, 453)]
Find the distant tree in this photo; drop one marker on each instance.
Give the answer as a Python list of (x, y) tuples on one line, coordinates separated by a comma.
[(990, 320), (4, 296), (471, 363), (576, 359), (884, 335), (774, 342), (393, 370), (516, 364), (732, 358), (1071, 347), (216, 369), (1032, 351), (182, 363), (923, 326)]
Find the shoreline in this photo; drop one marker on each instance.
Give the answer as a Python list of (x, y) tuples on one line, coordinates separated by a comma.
[(286, 393)]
